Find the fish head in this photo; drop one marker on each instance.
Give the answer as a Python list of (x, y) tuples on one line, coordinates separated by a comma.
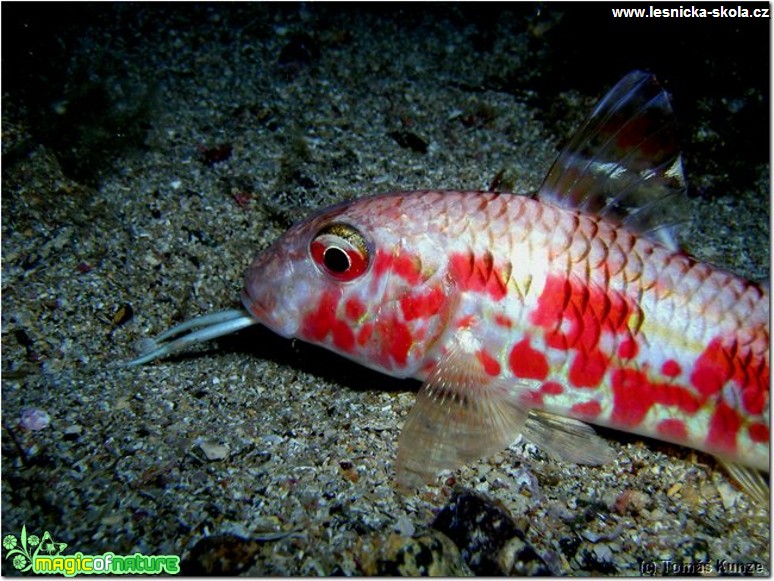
[(350, 278), (283, 279)]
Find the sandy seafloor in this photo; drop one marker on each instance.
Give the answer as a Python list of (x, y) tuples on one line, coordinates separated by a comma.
[(150, 152)]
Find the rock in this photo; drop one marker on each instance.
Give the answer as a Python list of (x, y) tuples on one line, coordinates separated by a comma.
[(428, 553), (518, 558), (220, 555), (487, 537)]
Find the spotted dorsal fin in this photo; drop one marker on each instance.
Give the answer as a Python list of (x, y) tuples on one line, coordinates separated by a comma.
[(624, 162)]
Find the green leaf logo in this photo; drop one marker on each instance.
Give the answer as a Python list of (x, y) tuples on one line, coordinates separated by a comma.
[(21, 548)]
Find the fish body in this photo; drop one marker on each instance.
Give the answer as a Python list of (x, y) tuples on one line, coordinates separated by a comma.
[(585, 318), (532, 314)]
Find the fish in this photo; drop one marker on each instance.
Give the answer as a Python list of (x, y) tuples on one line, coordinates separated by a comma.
[(532, 315)]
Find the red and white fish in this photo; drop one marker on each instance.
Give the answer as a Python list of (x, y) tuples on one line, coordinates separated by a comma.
[(532, 314)]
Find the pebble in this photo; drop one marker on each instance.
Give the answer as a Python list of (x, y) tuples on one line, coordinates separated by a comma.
[(214, 451), (404, 526), (34, 419), (728, 495)]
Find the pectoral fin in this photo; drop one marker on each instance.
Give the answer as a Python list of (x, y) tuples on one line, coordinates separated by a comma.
[(461, 414)]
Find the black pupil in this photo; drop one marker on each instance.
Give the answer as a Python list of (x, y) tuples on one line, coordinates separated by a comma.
[(336, 259)]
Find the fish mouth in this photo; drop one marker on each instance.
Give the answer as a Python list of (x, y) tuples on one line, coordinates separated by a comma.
[(265, 312)]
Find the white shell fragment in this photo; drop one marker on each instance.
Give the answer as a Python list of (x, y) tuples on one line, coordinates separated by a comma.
[(214, 451)]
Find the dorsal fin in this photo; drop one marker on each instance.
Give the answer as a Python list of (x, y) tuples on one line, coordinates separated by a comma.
[(624, 162)]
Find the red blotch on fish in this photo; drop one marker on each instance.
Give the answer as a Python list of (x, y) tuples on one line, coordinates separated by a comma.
[(406, 266), (343, 337), (573, 316), (491, 366), (671, 368), (317, 324), (672, 429), (753, 399), (588, 368), (712, 369), (503, 321), (628, 349), (723, 428), (466, 322), (477, 274), (364, 334), (630, 403), (354, 309), (759, 433), (634, 394), (552, 388), (321, 322), (588, 409), (724, 361), (396, 340), (423, 305), (527, 362)]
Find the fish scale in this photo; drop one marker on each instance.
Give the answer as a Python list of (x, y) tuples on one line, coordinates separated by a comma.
[(532, 314)]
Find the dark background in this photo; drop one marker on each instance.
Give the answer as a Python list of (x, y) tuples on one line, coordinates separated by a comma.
[(717, 69)]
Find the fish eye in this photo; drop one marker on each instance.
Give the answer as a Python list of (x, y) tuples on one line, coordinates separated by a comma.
[(340, 251), (336, 259)]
